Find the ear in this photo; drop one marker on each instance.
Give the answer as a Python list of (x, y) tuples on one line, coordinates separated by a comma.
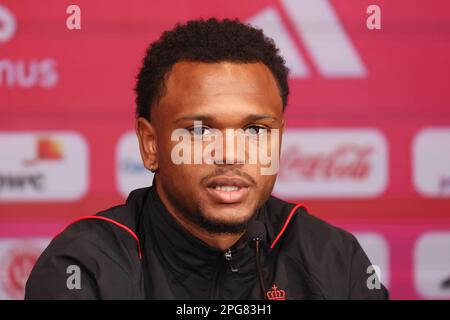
[(145, 132)]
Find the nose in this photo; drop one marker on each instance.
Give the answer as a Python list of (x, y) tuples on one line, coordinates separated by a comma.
[(233, 149)]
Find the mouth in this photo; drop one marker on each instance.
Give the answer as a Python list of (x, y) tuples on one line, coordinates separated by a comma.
[(228, 190)]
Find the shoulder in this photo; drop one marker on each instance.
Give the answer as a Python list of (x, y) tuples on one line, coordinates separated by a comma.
[(103, 246), (112, 230), (301, 227), (332, 258)]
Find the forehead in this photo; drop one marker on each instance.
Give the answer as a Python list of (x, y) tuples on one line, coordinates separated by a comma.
[(211, 87)]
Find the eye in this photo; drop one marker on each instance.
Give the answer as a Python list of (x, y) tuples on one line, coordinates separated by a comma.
[(255, 130), (200, 131)]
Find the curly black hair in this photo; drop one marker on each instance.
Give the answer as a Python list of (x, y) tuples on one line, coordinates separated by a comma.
[(207, 41)]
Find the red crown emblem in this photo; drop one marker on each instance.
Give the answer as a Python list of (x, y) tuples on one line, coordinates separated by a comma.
[(276, 294)]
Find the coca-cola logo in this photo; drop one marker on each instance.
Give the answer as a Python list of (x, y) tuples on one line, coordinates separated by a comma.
[(348, 161)]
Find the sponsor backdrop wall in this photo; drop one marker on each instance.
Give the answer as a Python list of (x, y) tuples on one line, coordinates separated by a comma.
[(367, 145)]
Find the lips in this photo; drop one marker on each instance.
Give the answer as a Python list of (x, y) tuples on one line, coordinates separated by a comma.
[(228, 189)]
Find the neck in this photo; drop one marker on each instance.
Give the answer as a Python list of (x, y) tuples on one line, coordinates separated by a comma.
[(221, 241)]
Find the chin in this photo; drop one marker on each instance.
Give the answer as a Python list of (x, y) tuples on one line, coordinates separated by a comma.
[(228, 216), (215, 226)]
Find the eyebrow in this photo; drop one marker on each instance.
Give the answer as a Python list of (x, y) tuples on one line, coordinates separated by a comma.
[(205, 117)]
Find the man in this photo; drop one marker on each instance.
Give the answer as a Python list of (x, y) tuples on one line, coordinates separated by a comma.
[(187, 236)]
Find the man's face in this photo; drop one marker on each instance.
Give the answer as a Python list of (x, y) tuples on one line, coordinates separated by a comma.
[(220, 197)]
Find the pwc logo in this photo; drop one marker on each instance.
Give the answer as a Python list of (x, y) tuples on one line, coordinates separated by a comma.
[(322, 34), (47, 149), (43, 166)]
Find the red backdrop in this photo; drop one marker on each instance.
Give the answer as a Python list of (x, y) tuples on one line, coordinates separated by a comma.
[(368, 121)]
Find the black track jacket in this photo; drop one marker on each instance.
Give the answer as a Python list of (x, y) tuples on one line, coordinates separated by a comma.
[(138, 251)]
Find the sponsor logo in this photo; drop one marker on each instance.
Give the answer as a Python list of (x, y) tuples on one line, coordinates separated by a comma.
[(431, 162), (43, 166), (432, 265), (23, 73), (17, 258), (376, 248), (47, 149), (8, 24), (332, 163), (130, 172), (276, 294), (27, 74), (320, 31)]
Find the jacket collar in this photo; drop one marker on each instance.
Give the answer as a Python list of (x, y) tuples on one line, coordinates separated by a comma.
[(183, 251)]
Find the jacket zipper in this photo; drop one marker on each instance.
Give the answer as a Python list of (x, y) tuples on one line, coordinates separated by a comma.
[(229, 258), (221, 272)]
